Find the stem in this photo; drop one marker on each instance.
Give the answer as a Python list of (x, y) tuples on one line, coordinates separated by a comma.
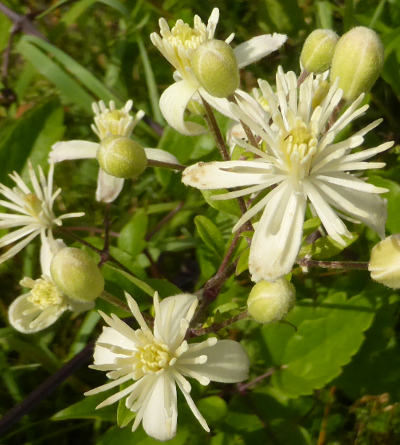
[(243, 387), (324, 423), (353, 265), (45, 389), (164, 220), (93, 230), (171, 165), (114, 301), (213, 125), (218, 326)]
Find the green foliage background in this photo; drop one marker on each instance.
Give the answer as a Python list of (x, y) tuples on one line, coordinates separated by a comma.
[(335, 364)]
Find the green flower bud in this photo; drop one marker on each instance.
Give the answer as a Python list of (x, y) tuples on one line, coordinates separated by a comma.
[(122, 157), (76, 274), (384, 264), (215, 67), (270, 301), (317, 52), (357, 61)]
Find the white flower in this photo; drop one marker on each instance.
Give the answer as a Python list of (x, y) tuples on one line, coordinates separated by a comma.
[(177, 46), (155, 362), (299, 156), (32, 209), (107, 122), (45, 302)]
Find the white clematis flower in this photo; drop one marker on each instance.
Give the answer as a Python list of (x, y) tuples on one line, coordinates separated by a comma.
[(177, 46), (108, 121), (298, 155), (155, 362), (30, 209), (45, 302)]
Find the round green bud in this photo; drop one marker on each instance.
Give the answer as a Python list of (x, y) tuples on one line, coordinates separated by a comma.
[(357, 61), (122, 157), (270, 301), (384, 264), (76, 274), (317, 52), (215, 67)]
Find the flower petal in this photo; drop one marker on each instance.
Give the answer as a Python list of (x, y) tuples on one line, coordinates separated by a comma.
[(22, 315), (168, 325), (226, 174), (104, 356), (161, 413), (227, 362), (173, 103), (108, 187), (258, 47), (277, 238), (66, 150), (48, 249), (156, 154)]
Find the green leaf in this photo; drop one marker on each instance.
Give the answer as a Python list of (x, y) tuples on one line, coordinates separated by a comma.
[(325, 247), (210, 234), (324, 14), (229, 206), (132, 235), (215, 407), (124, 415), (243, 262), (86, 409), (32, 134), (327, 337), (136, 281), (393, 197), (285, 14)]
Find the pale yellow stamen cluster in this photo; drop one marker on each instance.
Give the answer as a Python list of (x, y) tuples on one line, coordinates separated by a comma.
[(152, 357), (182, 35), (44, 293)]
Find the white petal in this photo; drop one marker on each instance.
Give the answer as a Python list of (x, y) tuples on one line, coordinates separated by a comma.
[(173, 103), (277, 237), (48, 249), (258, 47), (160, 415), (221, 104), (108, 187), (227, 362), (227, 174), (155, 154), (102, 355), (169, 314), (22, 315), (66, 150)]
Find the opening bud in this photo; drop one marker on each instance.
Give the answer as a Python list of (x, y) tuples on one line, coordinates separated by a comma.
[(270, 301), (215, 67), (357, 61), (317, 52), (384, 264), (122, 157), (76, 274)]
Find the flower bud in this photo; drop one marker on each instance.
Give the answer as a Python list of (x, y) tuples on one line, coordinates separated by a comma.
[(357, 61), (76, 273), (270, 301), (215, 67), (317, 52), (384, 263), (122, 157)]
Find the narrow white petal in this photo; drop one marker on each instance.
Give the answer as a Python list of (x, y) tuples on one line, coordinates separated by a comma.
[(17, 247), (258, 47), (108, 187), (227, 362), (102, 355), (351, 182), (277, 237), (67, 150), (134, 307), (118, 396), (155, 154), (108, 385), (161, 413), (169, 316), (17, 234), (227, 174), (369, 152), (173, 103)]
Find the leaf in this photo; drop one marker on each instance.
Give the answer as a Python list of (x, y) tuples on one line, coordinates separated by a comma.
[(86, 409), (393, 197), (210, 234), (327, 337), (215, 407), (32, 134), (243, 262), (326, 247), (285, 14), (229, 206), (324, 14), (132, 235)]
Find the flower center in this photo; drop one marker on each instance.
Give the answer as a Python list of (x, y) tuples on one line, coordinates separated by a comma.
[(182, 35), (33, 204), (299, 146), (113, 123), (153, 357), (43, 293)]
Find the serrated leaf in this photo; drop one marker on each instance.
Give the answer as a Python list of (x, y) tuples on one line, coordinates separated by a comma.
[(327, 337), (132, 235), (86, 409), (210, 234)]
